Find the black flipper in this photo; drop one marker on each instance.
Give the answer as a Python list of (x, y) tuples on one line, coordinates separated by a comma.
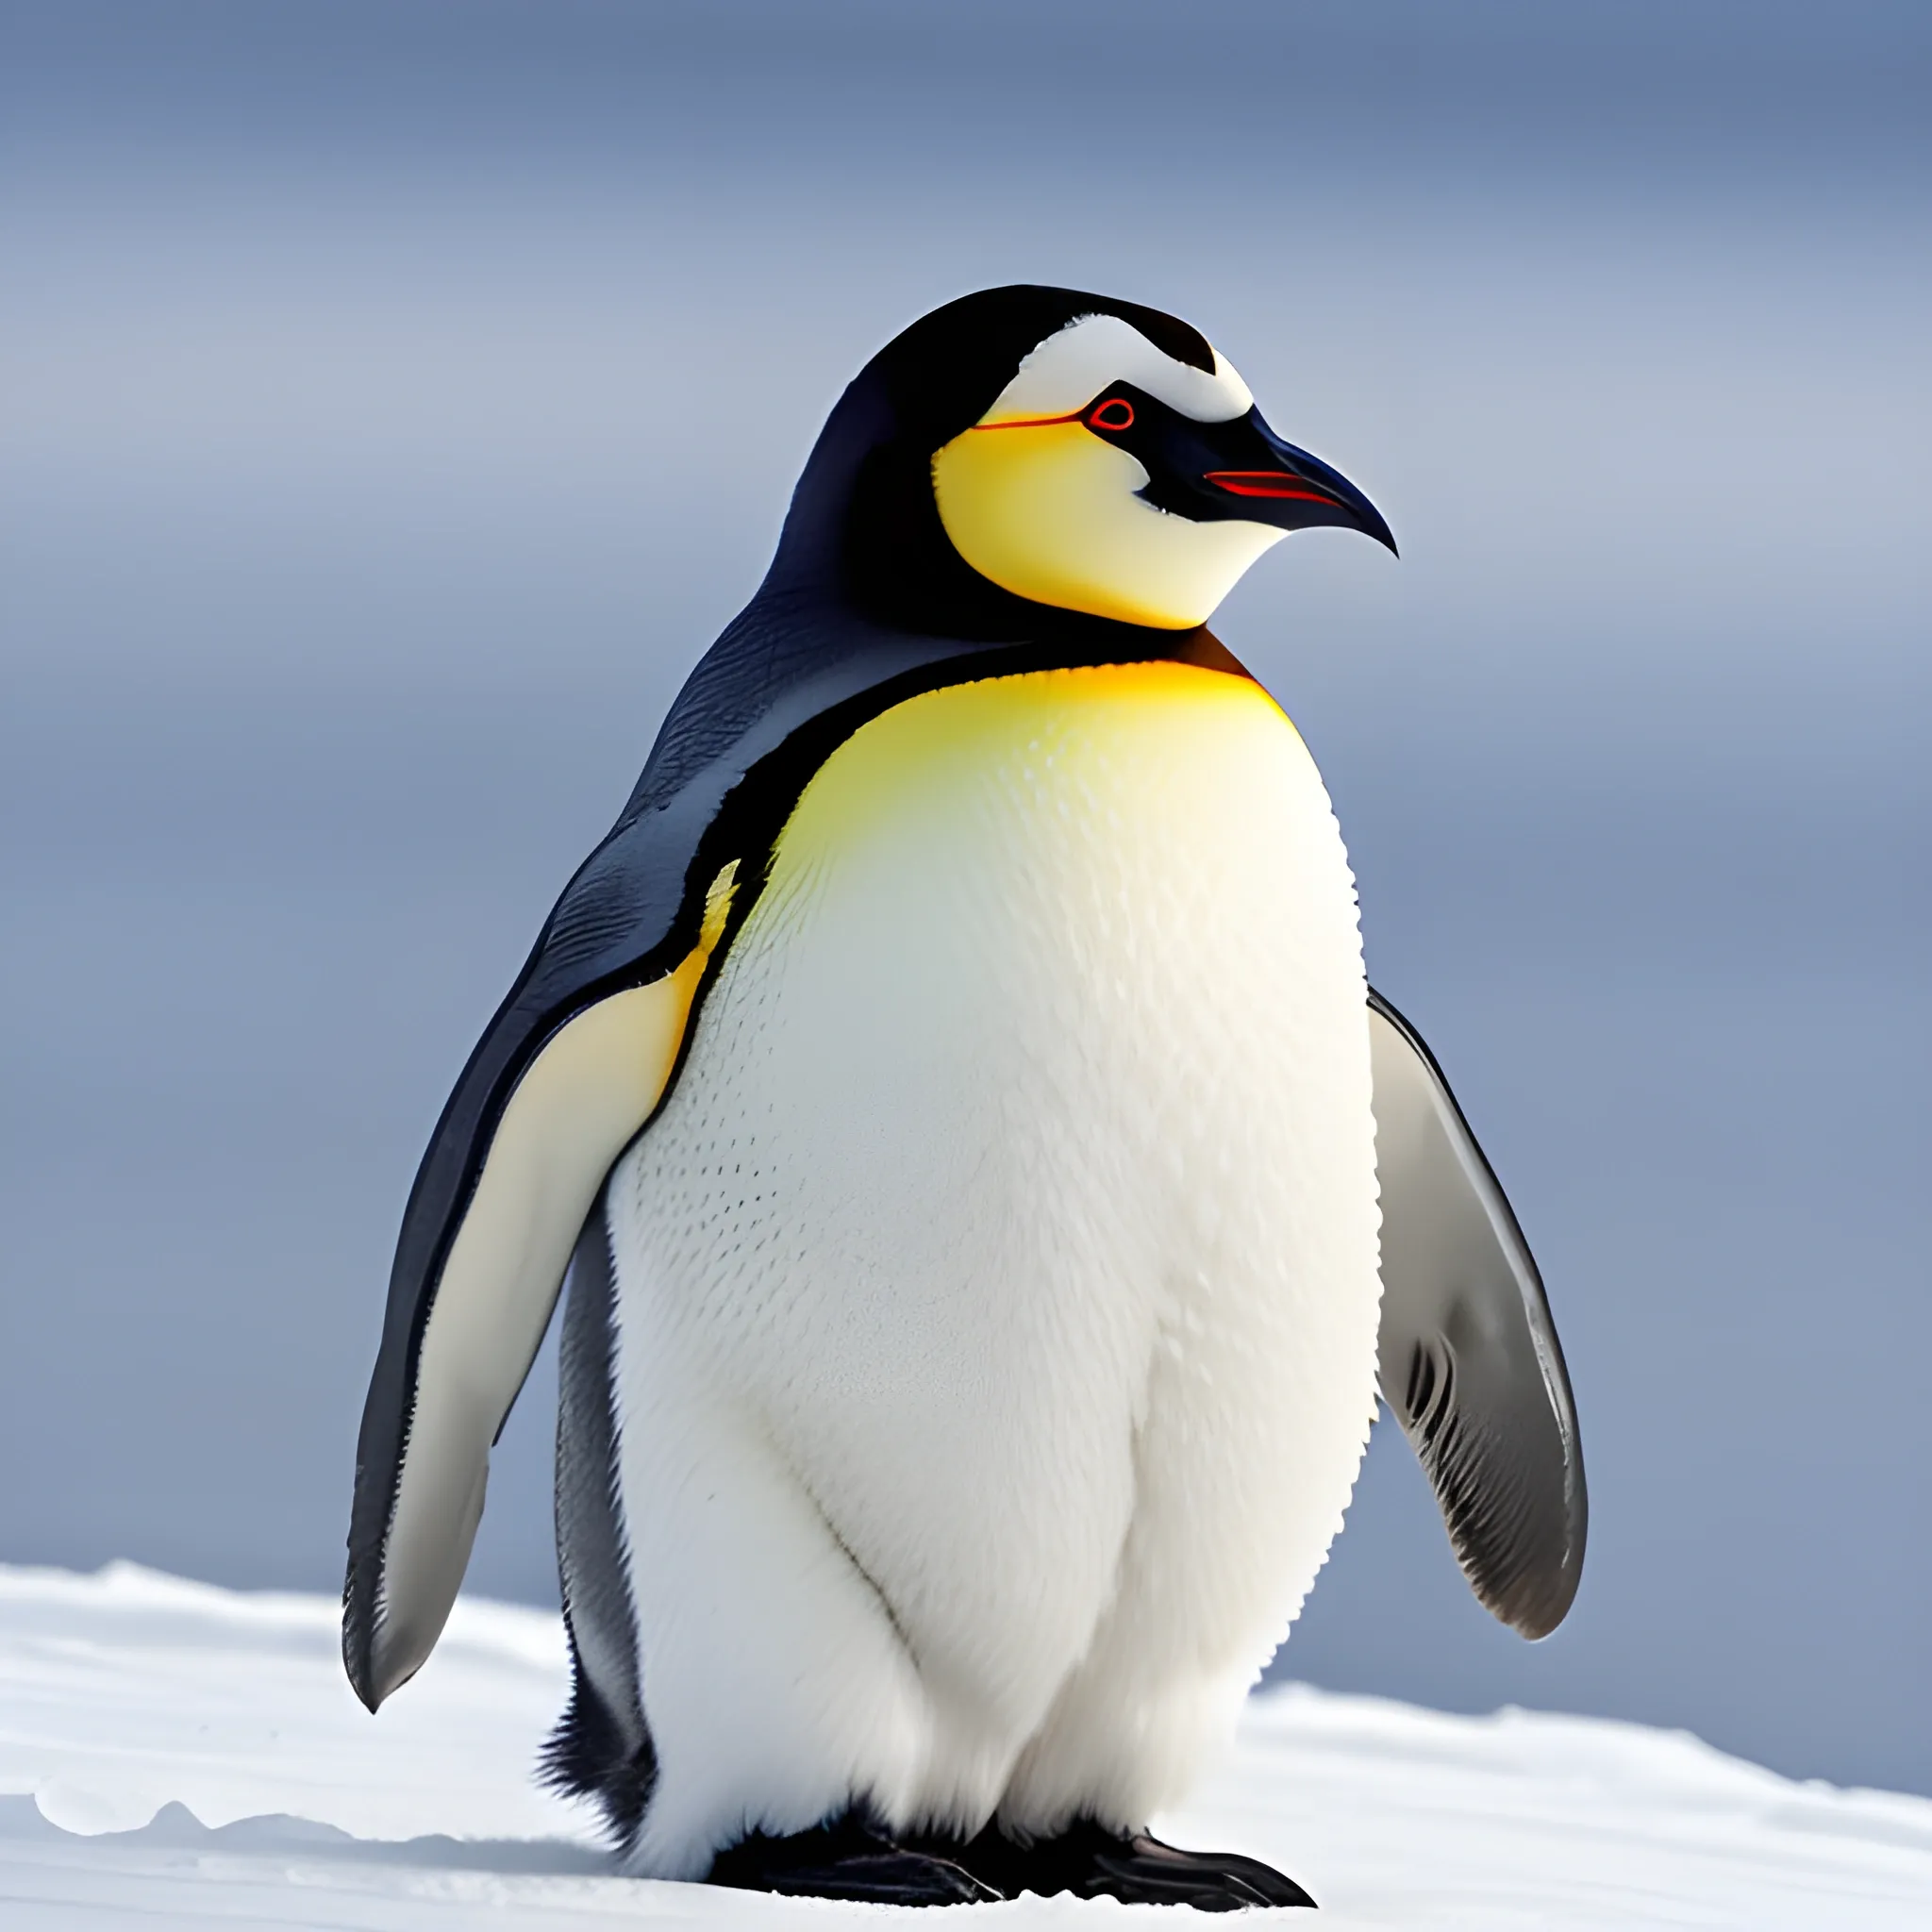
[(602, 1749), (1469, 1359)]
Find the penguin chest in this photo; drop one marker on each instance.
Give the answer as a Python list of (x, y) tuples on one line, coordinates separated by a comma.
[(1019, 1185)]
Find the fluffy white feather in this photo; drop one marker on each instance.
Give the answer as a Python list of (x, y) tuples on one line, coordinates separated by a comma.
[(997, 1290)]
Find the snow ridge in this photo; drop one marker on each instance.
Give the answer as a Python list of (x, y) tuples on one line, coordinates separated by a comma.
[(173, 1752)]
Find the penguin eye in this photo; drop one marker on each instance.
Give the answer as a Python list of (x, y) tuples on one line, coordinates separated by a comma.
[(1115, 413)]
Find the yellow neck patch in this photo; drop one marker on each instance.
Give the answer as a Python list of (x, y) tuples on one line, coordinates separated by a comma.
[(1055, 727)]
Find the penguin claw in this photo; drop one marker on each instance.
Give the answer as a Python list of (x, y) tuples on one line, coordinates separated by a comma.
[(1134, 1868), (851, 1860), (1144, 1868)]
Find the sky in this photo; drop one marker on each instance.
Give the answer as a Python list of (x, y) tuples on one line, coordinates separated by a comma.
[(399, 397)]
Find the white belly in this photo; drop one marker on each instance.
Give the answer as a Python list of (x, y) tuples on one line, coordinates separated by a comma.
[(1018, 1197)]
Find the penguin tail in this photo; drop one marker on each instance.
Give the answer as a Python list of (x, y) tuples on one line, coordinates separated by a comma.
[(589, 1756)]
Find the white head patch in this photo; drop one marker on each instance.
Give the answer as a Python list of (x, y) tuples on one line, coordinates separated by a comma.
[(1068, 370)]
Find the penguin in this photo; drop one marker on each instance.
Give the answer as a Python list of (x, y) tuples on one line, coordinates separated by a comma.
[(992, 1198)]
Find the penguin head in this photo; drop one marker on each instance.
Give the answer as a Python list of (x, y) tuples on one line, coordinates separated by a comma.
[(1030, 450)]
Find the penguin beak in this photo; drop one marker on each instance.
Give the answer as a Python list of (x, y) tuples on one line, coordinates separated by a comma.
[(1260, 478)]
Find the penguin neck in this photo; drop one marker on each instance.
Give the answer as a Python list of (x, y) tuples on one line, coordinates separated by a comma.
[(840, 628), (807, 563), (863, 543)]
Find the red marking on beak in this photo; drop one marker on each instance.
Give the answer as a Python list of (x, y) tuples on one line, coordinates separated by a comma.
[(1277, 483)]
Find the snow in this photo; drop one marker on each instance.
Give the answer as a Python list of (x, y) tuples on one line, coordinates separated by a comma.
[(170, 1752)]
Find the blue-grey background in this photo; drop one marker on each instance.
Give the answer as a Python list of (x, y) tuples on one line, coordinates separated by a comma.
[(399, 396)]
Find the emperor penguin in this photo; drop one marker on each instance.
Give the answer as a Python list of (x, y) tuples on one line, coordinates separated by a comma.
[(990, 1194)]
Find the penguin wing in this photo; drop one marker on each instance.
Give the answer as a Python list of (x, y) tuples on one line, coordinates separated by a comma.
[(1469, 1355), (568, 1072)]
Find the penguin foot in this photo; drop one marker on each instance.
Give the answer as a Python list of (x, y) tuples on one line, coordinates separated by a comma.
[(1092, 1862), (848, 1859)]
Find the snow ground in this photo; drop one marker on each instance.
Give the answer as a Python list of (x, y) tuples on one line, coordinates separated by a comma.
[(170, 1752)]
